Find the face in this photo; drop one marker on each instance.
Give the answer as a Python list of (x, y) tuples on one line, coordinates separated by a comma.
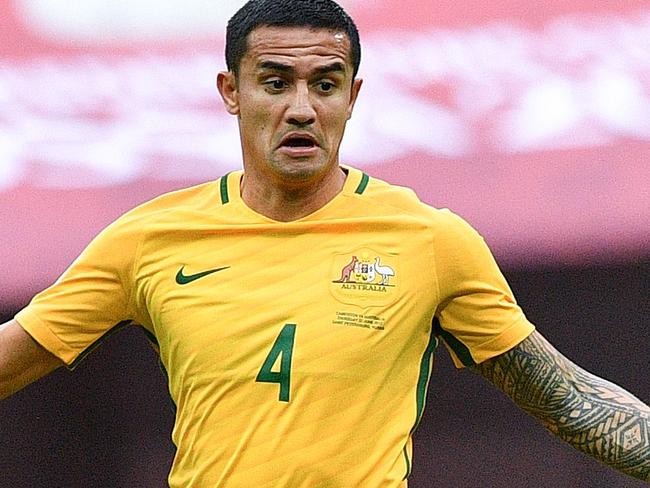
[(293, 97)]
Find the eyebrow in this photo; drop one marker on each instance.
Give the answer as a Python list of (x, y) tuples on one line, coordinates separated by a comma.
[(285, 68), (331, 68)]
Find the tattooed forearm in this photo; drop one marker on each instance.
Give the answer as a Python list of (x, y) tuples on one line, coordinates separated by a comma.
[(595, 416)]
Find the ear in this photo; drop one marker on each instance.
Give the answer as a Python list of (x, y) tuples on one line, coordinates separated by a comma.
[(227, 86), (354, 93)]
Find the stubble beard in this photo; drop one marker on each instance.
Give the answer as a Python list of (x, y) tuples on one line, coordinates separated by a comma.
[(298, 171)]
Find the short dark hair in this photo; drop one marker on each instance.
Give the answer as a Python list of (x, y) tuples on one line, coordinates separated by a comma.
[(319, 14)]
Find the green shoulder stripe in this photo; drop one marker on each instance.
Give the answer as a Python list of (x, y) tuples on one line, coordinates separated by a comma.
[(408, 463), (362, 184), (152, 338), (224, 189), (421, 391), (460, 349), (98, 342)]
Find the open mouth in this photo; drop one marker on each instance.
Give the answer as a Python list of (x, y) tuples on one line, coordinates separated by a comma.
[(298, 142), (305, 141)]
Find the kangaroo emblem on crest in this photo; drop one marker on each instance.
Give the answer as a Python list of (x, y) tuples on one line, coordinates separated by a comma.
[(347, 271)]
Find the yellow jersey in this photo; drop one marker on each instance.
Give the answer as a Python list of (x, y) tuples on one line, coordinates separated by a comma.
[(298, 353)]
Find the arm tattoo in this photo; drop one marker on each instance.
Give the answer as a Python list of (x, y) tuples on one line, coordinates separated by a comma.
[(595, 416)]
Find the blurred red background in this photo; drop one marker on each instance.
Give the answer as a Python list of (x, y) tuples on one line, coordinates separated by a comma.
[(530, 119)]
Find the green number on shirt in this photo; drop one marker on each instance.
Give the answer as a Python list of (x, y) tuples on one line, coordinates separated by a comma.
[(282, 347)]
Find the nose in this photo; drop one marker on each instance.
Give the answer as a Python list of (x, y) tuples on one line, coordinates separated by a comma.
[(300, 111)]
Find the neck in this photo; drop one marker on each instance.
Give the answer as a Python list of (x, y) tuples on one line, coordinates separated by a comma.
[(284, 202)]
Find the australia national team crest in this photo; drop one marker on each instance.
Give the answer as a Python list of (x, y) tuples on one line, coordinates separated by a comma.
[(364, 276)]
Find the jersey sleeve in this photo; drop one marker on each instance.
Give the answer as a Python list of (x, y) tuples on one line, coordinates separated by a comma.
[(91, 299), (477, 317)]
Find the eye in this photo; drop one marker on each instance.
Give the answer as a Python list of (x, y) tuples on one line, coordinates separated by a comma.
[(326, 86), (276, 84)]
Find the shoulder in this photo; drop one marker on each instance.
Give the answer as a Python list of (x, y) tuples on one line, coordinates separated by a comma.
[(195, 198), (177, 205), (380, 192), (116, 245), (405, 201)]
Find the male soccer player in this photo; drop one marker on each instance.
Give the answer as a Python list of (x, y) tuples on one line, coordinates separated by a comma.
[(296, 304)]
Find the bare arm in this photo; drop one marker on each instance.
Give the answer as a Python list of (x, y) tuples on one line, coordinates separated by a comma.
[(595, 416), (22, 359)]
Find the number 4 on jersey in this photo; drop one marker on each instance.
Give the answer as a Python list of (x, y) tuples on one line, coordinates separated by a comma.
[(283, 346)]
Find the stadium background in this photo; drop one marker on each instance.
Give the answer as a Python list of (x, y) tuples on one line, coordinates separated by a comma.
[(530, 119)]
